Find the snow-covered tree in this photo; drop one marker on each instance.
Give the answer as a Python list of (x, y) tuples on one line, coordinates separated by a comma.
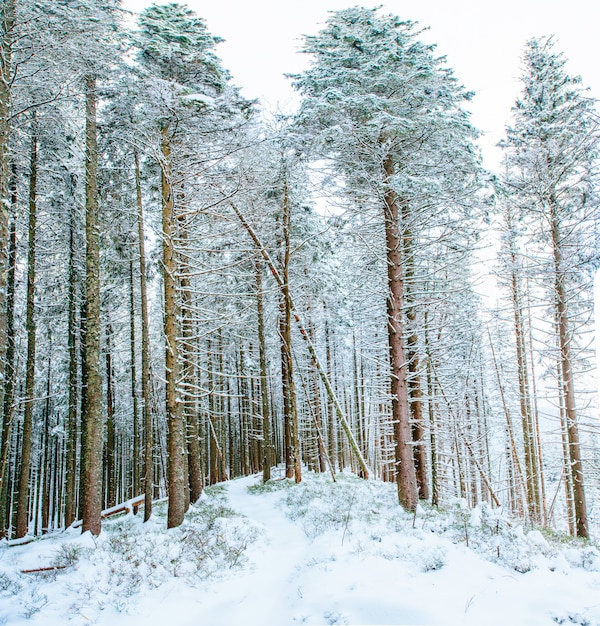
[(388, 113), (552, 150)]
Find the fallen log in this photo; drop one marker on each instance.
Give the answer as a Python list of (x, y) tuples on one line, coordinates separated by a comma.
[(40, 570), (124, 507)]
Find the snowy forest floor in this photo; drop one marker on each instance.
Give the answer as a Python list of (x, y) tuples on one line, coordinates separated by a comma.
[(313, 553)]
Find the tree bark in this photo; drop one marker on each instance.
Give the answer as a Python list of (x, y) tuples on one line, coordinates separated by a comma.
[(22, 520), (91, 505), (176, 432), (405, 469), (567, 379), (146, 391), (71, 469), (264, 388), (9, 366), (7, 26), (111, 435)]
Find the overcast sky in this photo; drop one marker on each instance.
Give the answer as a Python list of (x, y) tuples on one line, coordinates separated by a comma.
[(483, 42)]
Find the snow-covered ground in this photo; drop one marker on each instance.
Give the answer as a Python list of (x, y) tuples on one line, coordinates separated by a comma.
[(314, 553)]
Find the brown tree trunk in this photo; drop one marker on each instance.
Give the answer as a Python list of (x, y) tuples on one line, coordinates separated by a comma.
[(22, 521), (71, 469), (111, 435), (135, 463), (9, 367), (264, 388), (176, 430), (91, 474), (188, 375), (146, 390), (293, 461), (405, 469), (7, 26), (567, 379)]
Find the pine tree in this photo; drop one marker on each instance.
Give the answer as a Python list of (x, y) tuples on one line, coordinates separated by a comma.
[(388, 113), (551, 152)]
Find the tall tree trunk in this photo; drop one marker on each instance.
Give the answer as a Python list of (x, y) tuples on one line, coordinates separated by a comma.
[(146, 390), (7, 26), (188, 374), (9, 366), (111, 434), (46, 464), (135, 465), (331, 423), (30, 325), (264, 388), (567, 378), (568, 385), (176, 431), (71, 469), (293, 461), (405, 469), (529, 441), (433, 431), (91, 474), (412, 354)]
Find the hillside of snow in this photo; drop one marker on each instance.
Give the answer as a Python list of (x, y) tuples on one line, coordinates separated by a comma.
[(313, 553)]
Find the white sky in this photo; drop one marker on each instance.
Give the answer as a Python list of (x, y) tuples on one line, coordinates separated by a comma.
[(482, 40)]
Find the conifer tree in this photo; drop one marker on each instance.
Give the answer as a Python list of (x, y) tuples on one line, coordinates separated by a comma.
[(552, 151), (388, 113)]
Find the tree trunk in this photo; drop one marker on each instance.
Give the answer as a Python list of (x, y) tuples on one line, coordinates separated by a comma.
[(91, 474), (405, 469), (146, 391), (293, 461), (22, 502), (7, 26), (111, 434), (188, 375), (567, 379), (9, 367), (135, 465), (71, 469), (264, 388), (176, 432)]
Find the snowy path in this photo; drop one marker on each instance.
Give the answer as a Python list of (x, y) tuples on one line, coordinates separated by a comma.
[(267, 589), (383, 568)]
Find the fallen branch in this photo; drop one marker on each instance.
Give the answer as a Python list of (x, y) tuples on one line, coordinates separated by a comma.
[(39, 570)]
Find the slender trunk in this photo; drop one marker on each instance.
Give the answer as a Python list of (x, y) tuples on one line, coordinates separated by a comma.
[(433, 443), (412, 355), (332, 430), (529, 443), (7, 26), (9, 367), (92, 458), (71, 469), (405, 469), (46, 464), (146, 390), (264, 388), (22, 521), (188, 375), (567, 378), (135, 465), (111, 433), (176, 432), (290, 412)]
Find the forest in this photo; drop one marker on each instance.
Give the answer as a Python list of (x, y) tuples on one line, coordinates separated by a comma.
[(193, 289)]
